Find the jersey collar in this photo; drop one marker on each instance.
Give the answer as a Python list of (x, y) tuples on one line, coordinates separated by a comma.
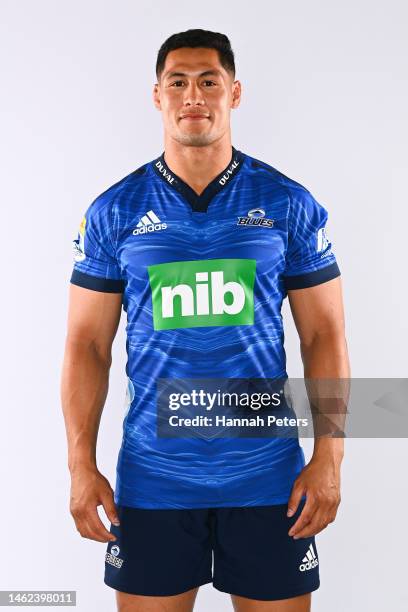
[(199, 203)]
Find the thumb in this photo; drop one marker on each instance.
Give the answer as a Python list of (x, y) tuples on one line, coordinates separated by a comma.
[(294, 499), (110, 508)]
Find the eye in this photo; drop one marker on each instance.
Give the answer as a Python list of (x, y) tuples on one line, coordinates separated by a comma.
[(210, 82), (176, 83)]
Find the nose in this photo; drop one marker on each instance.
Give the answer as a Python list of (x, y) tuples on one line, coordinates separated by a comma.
[(193, 95)]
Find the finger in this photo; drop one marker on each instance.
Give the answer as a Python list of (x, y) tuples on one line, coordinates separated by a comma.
[(316, 525), (109, 507), (97, 529), (81, 527), (324, 514), (93, 534), (87, 532), (294, 499), (305, 516)]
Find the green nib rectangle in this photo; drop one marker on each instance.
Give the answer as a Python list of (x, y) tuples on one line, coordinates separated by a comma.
[(208, 293)]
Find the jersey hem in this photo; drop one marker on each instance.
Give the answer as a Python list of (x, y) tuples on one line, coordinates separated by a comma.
[(273, 501)]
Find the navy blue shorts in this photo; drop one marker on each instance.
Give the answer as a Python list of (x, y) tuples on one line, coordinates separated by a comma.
[(167, 552)]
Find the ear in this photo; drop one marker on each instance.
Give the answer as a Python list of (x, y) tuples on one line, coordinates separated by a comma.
[(156, 96), (236, 94)]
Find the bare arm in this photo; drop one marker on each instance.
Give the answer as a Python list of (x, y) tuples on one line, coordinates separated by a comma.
[(93, 319), (319, 318)]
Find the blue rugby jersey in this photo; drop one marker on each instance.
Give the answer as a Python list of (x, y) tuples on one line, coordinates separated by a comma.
[(203, 278)]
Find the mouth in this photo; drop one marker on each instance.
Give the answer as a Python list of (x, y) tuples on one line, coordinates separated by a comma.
[(194, 116)]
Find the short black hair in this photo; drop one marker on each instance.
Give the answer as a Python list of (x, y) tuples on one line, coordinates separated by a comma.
[(198, 38)]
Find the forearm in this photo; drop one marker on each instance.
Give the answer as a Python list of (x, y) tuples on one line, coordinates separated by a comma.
[(84, 387), (327, 374)]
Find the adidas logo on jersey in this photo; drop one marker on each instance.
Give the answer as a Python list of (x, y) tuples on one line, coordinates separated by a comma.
[(309, 561), (150, 222)]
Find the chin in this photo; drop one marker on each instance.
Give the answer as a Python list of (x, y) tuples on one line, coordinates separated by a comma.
[(195, 140)]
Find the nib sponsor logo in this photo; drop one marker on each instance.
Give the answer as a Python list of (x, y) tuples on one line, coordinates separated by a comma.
[(309, 561), (204, 293), (150, 222)]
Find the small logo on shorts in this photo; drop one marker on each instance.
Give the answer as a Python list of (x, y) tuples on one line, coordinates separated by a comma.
[(112, 557), (309, 561)]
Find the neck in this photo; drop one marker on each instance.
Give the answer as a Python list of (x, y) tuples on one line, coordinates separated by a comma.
[(198, 166)]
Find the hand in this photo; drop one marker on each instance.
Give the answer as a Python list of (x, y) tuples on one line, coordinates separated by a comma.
[(320, 481), (89, 489)]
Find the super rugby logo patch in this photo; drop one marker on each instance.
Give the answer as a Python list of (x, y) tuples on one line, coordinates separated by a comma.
[(256, 216)]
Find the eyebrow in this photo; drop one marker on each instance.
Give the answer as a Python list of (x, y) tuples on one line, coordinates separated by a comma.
[(182, 74)]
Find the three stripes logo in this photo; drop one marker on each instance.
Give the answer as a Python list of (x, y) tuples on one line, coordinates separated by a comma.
[(150, 222), (309, 561)]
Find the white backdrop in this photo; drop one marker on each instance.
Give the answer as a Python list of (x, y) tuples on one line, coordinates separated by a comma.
[(324, 101)]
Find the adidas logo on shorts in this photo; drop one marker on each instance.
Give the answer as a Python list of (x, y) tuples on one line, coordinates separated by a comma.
[(150, 222), (309, 561)]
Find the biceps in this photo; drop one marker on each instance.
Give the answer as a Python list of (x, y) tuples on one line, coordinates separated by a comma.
[(318, 310), (93, 317)]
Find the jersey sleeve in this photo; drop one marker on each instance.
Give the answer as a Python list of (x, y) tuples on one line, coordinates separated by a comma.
[(95, 263), (309, 257)]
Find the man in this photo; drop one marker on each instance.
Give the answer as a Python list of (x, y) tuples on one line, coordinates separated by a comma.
[(201, 246)]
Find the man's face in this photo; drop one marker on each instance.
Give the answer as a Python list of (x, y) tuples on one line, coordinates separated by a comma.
[(195, 95)]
